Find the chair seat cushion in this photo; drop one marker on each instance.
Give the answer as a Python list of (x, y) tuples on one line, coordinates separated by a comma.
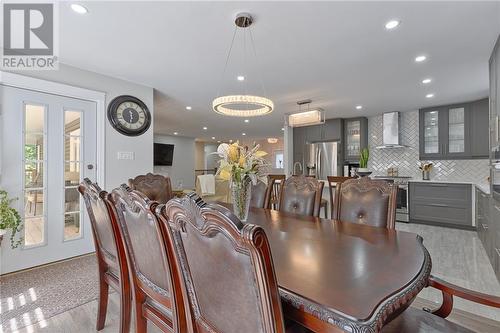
[(414, 320)]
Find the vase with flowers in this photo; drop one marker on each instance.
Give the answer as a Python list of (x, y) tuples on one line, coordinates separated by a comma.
[(242, 167), (426, 168)]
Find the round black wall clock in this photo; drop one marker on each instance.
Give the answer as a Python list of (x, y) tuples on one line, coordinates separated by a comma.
[(129, 115)]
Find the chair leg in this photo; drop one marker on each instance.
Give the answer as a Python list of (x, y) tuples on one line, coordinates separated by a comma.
[(103, 302), (141, 325), (125, 308)]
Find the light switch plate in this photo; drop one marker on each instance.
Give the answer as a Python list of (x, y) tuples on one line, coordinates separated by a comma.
[(126, 155)]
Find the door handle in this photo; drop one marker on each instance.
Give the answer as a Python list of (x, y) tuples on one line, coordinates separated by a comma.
[(90, 166), (438, 205)]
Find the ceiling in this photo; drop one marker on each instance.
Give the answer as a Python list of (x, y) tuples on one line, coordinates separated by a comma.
[(338, 54)]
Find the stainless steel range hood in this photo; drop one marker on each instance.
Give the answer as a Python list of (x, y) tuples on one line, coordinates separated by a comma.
[(391, 133)]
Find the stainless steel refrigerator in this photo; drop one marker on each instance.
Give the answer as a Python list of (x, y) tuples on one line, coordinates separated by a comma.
[(322, 159)]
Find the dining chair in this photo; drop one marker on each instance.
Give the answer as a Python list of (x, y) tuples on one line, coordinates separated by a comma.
[(414, 320), (366, 201), (260, 196), (301, 195), (275, 181), (153, 280), (227, 269), (155, 187), (110, 253), (324, 202), (333, 182)]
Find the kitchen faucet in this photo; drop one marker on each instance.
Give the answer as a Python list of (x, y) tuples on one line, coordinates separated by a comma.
[(295, 167)]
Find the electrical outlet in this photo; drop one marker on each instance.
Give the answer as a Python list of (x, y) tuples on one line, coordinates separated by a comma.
[(126, 155)]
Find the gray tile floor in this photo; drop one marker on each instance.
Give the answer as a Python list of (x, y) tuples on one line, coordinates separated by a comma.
[(458, 257)]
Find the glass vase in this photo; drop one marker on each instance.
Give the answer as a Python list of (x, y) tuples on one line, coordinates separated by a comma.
[(241, 194)]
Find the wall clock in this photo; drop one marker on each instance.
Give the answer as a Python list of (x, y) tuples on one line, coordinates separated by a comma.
[(129, 115)]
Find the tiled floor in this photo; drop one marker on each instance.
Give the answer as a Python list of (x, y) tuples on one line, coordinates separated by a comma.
[(458, 257)]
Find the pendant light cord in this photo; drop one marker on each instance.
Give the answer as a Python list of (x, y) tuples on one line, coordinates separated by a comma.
[(257, 61), (227, 61)]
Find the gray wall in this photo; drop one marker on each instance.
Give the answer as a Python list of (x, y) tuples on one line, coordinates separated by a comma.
[(183, 162), (117, 171), (407, 159)]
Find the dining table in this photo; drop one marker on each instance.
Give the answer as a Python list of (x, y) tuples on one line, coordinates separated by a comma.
[(336, 276)]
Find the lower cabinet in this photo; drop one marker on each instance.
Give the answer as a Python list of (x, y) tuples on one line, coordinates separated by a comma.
[(445, 204), (488, 227)]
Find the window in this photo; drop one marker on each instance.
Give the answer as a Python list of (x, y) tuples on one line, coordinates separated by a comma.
[(279, 161)]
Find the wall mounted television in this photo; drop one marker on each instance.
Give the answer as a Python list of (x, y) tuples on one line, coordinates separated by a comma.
[(163, 154)]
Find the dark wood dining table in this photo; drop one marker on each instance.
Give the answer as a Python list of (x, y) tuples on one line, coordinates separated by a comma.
[(336, 276)]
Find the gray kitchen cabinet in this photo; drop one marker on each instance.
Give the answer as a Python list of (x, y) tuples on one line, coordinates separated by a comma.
[(445, 204), (483, 223), (355, 138), (494, 96), (333, 130), (299, 141), (314, 133), (458, 131)]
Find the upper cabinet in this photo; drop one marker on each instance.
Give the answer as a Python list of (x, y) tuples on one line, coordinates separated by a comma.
[(355, 137), (494, 99), (456, 131)]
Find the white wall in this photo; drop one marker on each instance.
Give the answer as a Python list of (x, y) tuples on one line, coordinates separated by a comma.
[(183, 162), (117, 171)]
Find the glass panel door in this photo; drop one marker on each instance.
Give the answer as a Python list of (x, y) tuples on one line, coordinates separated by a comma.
[(431, 132), (34, 174), (353, 138), (456, 130)]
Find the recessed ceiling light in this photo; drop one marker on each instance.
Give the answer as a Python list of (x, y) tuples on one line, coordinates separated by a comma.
[(425, 81), (243, 134), (359, 107), (429, 95), (205, 128), (213, 138), (218, 141), (420, 58), (230, 140), (240, 78), (188, 108), (246, 120), (175, 133), (79, 8), (391, 24), (282, 128)]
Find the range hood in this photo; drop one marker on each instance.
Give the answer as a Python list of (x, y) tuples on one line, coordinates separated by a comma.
[(391, 133)]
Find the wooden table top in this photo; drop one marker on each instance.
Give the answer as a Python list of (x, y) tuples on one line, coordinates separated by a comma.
[(351, 276)]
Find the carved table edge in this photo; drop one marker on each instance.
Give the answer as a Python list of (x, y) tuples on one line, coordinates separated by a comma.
[(380, 314)]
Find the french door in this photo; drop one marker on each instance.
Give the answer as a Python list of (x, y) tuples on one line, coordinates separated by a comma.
[(48, 147)]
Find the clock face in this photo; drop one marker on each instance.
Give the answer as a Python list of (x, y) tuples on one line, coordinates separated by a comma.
[(129, 115)]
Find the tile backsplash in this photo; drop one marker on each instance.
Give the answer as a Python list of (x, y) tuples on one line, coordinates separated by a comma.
[(407, 159)]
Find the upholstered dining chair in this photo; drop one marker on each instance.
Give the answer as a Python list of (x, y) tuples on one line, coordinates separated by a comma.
[(275, 181), (155, 187), (333, 182), (413, 320), (111, 261), (366, 201), (301, 195), (152, 276), (261, 195), (210, 242)]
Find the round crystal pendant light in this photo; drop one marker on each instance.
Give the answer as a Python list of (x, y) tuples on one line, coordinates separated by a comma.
[(242, 105)]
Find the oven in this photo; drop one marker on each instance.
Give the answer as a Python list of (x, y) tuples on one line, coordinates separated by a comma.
[(402, 196)]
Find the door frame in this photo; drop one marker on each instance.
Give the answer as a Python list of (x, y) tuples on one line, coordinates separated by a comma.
[(65, 90)]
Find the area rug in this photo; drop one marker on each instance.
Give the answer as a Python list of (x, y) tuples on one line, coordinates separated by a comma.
[(35, 295)]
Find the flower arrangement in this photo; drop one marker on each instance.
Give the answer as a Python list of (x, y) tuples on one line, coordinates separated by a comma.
[(426, 168), (9, 219), (242, 167)]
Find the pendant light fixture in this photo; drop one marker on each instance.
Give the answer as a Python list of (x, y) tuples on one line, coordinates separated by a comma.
[(243, 105), (306, 117)]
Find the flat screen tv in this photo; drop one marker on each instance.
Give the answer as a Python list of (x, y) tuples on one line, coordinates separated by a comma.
[(163, 154)]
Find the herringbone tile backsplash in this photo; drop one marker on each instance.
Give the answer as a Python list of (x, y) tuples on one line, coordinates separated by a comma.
[(407, 159)]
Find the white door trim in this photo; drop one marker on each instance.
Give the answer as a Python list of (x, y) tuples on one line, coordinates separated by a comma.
[(55, 88)]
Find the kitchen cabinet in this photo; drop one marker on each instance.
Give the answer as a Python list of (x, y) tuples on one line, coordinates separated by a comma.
[(355, 138), (457, 131), (483, 222), (445, 204), (494, 96), (299, 142)]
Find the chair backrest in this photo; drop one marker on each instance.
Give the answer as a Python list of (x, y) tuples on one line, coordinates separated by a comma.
[(366, 201), (147, 253), (105, 229), (333, 182), (226, 267), (275, 181), (155, 187), (261, 195), (301, 195)]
